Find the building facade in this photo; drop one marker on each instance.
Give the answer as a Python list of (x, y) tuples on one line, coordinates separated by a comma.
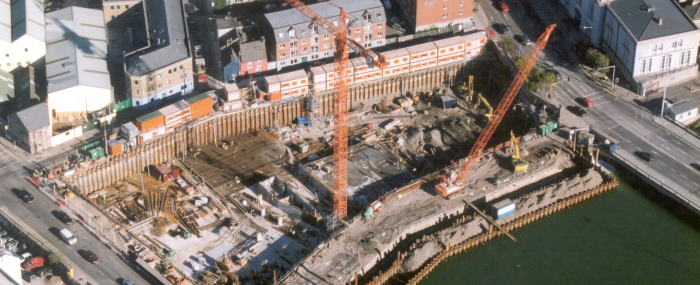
[(432, 14), (295, 39), (162, 71), (28, 32), (645, 42), (5, 36), (78, 82), (587, 15), (243, 52)]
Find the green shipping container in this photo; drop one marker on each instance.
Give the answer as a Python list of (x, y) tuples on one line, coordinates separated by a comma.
[(97, 152), (543, 129), (552, 126)]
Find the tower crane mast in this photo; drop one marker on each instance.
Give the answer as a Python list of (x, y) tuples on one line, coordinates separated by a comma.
[(454, 182), (340, 98)]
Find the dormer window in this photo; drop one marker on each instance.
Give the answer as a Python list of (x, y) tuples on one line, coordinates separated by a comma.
[(292, 33), (367, 15)]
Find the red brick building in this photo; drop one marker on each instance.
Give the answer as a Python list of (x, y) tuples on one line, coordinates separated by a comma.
[(427, 14), (296, 39)]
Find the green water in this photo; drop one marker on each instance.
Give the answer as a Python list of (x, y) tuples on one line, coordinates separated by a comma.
[(631, 235)]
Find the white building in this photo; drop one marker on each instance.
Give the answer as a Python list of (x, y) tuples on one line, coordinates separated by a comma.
[(5, 36), (644, 39), (76, 62), (28, 35), (683, 111)]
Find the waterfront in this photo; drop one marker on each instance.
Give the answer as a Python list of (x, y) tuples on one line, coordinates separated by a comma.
[(626, 236)]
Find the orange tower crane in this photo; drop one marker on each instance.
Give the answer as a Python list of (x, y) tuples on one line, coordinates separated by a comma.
[(454, 182), (340, 98)]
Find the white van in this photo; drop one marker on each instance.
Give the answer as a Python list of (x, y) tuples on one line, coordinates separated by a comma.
[(68, 237)]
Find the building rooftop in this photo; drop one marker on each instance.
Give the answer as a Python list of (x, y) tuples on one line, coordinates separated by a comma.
[(7, 86), (683, 106), (195, 99), (27, 19), (693, 11), (35, 117), (449, 42), (420, 48), (648, 19), (174, 108), (76, 49), (282, 20), (167, 38), (149, 116), (297, 74), (5, 21), (397, 53)]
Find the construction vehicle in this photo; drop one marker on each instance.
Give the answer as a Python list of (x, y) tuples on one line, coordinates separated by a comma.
[(375, 207), (453, 180), (519, 163), (488, 107), (340, 97)]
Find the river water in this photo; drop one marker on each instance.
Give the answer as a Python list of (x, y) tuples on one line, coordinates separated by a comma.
[(630, 235)]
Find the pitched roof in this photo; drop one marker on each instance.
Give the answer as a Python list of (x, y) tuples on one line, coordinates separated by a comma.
[(282, 21), (164, 19), (5, 21), (76, 49), (252, 51), (640, 17), (35, 117), (28, 19)]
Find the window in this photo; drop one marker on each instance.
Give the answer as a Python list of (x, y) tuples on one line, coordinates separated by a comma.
[(680, 43), (282, 63), (294, 54), (26, 49), (368, 38), (379, 14), (119, 7), (444, 15), (170, 71), (281, 46), (160, 85), (182, 67), (303, 42), (136, 82), (367, 16), (293, 45), (259, 63), (325, 45), (461, 12), (663, 63), (461, 3), (136, 93), (661, 47), (644, 65), (281, 55), (674, 44), (380, 25), (315, 56), (682, 59), (293, 61), (655, 48), (349, 33), (182, 76), (167, 83), (126, 7), (304, 50), (325, 37), (250, 65), (150, 89), (158, 75), (379, 35), (649, 66), (314, 29), (314, 49), (668, 60), (292, 33), (315, 40), (444, 7), (111, 8), (687, 58), (150, 79), (368, 28)]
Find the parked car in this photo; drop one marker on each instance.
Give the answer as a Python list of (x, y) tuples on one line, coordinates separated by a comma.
[(3, 233), (90, 256), (7, 239), (198, 51), (34, 262), (46, 271), (25, 256), (12, 245), (502, 28), (28, 198), (503, 7), (523, 39), (195, 40), (646, 156), (63, 217), (585, 102), (398, 27), (578, 111), (128, 282)]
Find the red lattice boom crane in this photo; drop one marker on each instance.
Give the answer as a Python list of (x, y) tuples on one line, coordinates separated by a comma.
[(340, 98), (455, 181)]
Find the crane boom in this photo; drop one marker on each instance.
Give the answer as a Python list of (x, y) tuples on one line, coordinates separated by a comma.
[(376, 60), (340, 126), (447, 187)]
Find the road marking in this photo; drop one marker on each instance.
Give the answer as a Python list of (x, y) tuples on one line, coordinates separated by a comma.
[(686, 177), (11, 164), (592, 98), (598, 104), (637, 124), (613, 126), (696, 184), (7, 151), (665, 146), (665, 165)]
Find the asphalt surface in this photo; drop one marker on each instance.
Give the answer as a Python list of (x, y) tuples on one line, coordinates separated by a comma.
[(40, 217)]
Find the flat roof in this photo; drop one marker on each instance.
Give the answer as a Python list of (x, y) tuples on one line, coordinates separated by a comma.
[(449, 41), (149, 116), (421, 48), (392, 54), (297, 74), (174, 108)]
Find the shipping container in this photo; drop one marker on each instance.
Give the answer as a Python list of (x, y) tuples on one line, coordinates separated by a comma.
[(503, 208), (150, 121), (114, 147), (200, 105), (97, 152)]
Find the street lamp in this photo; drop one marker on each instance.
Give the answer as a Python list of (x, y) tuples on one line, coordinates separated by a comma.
[(613, 75), (663, 101)]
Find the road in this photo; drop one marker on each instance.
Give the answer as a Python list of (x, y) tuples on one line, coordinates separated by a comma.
[(626, 118), (40, 218)]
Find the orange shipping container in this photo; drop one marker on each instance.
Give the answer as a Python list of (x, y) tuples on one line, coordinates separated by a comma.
[(150, 121), (115, 147), (200, 105)]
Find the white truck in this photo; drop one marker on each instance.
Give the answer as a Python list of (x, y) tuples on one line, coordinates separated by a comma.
[(68, 237)]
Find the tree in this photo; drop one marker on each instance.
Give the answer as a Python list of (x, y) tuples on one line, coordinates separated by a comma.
[(55, 258), (595, 58), (508, 45), (219, 4)]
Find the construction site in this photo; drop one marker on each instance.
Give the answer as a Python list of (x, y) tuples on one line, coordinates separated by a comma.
[(375, 186)]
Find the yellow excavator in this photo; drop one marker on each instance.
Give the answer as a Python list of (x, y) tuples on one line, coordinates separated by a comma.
[(488, 107), (519, 163)]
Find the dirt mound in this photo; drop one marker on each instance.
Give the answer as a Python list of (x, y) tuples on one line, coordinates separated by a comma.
[(419, 256)]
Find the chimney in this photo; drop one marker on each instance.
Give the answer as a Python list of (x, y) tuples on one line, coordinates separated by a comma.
[(660, 20)]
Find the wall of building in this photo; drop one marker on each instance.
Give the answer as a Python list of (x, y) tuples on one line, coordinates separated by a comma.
[(253, 67), (115, 8), (425, 15), (27, 49), (5, 55), (590, 14), (170, 82), (67, 135), (79, 99)]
